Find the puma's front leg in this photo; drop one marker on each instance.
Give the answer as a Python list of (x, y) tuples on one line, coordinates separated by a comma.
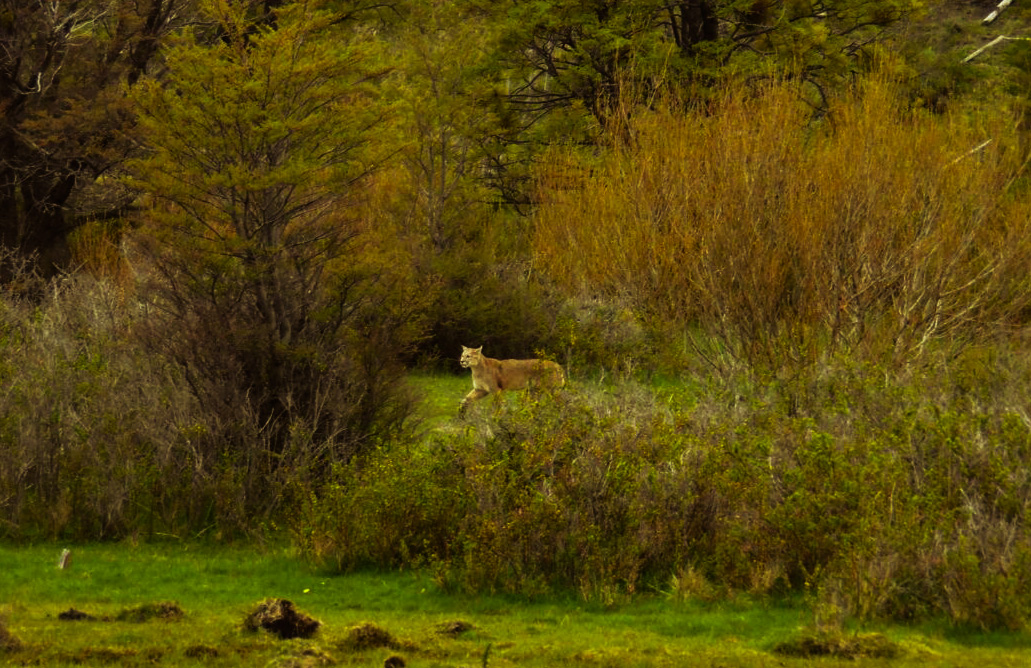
[(476, 393)]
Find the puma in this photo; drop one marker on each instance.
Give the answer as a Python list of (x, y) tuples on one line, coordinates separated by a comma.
[(491, 375)]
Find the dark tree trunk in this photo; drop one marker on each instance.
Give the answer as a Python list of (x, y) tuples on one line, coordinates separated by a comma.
[(693, 22)]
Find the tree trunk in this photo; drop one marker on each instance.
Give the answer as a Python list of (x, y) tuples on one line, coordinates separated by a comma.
[(32, 215), (693, 21)]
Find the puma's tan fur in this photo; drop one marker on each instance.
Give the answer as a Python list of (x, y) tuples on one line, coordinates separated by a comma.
[(491, 375)]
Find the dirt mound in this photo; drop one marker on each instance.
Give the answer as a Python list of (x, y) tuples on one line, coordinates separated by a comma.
[(454, 628), (148, 611), (839, 645), (279, 616), (369, 636), (73, 615)]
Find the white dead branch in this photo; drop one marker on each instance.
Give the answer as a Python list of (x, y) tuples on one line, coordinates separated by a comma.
[(995, 13), (1000, 38)]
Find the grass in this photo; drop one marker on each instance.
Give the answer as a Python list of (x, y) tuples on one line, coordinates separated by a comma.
[(216, 587), (440, 395)]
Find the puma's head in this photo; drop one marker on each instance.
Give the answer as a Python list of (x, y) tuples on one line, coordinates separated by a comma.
[(471, 356)]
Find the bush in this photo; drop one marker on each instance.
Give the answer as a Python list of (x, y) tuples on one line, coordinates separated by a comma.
[(100, 440), (881, 495), (785, 238), (95, 439)]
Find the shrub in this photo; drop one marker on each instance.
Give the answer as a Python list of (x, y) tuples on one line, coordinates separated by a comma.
[(393, 506), (95, 437), (784, 237), (100, 440), (880, 494)]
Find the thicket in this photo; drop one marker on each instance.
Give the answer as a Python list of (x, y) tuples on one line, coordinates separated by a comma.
[(851, 288), (265, 314), (319, 195), (876, 495), (98, 439), (781, 236)]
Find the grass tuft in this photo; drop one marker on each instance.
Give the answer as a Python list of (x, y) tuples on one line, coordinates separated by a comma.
[(148, 611), (454, 628), (302, 654), (840, 646), (201, 652), (368, 636)]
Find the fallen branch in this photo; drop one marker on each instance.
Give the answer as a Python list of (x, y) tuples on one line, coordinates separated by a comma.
[(995, 13), (1000, 38)]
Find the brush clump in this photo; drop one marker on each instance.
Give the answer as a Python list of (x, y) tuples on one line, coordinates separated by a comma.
[(369, 636), (840, 646), (167, 610)]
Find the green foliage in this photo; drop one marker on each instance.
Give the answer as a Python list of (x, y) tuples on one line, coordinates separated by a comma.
[(878, 496), (468, 253), (395, 507), (281, 301)]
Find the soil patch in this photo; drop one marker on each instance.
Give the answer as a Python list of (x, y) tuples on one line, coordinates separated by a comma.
[(841, 646), (279, 616), (73, 615), (369, 636), (144, 613)]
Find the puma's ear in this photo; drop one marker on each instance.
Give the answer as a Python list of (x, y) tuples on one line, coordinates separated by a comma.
[(465, 349), (480, 349)]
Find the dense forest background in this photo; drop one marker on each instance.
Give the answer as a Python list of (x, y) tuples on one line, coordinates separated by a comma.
[(230, 228)]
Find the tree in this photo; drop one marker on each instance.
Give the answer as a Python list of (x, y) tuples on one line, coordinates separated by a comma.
[(281, 311), (562, 53), (63, 112)]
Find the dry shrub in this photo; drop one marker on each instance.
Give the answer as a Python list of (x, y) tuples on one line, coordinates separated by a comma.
[(871, 229), (96, 248), (93, 431)]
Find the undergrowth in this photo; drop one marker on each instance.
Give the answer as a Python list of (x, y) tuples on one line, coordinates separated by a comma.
[(875, 494)]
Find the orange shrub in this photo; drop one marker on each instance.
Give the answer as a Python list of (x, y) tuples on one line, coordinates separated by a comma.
[(872, 228)]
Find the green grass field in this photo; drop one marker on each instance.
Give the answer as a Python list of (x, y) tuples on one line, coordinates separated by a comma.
[(217, 586)]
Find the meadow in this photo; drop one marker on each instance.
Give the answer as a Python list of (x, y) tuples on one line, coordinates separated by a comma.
[(216, 586), (786, 271), (422, 619)]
